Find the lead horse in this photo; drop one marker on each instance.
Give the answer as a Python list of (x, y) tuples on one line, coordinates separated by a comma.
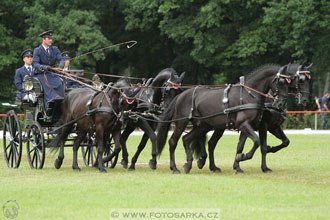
[(98, 112), (272, 119), (239, 107)]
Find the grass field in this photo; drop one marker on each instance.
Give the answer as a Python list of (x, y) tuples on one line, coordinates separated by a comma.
[(298, 188)]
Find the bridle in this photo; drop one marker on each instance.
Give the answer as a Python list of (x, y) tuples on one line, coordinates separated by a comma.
[(168, 86), (279, 80), (299, 79)]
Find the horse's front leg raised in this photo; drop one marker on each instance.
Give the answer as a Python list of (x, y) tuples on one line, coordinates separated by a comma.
[(239, 150), (116, 138), (279, 133), (247, 129)]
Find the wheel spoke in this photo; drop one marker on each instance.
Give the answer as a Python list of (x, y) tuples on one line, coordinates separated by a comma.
[(10, 125), (39, 160), (33, 158), (9, 128), (15, 155), (9, 145), (85, 152), (89, 156), (37, 155), (31, 150), (11, 157)]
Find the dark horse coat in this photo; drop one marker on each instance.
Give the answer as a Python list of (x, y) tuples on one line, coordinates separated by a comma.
[(203, 102)]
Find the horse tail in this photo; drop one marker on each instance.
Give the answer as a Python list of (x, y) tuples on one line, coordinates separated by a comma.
[(164, 127), (55, 143), (197, 144), (61, 134)]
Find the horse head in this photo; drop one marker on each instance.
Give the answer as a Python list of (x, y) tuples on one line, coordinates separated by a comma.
[(124, 93), (172, 87), (301, 83), (280, 87)]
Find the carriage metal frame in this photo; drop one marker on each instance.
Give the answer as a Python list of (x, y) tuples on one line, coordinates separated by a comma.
[(39, 125)]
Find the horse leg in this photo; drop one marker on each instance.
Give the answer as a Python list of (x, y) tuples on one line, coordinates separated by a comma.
[(77, 141), (212, 144), (100, 148), (180, 126), (116, 138), (138, 151), (279, 133), (263, 143), (247, 129), (201, 161), (239, 150), (130, 127), (58, 162), (186, 139), (149, 133)]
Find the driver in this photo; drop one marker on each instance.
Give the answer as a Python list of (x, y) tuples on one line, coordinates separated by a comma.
[(45, 57)]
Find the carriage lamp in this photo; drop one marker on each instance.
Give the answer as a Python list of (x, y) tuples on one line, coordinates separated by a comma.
[(98, 84), (27, 83)]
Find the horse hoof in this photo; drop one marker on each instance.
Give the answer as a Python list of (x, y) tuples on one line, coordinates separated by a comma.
[(238, 172), (176, 171), (152, 165), (267, 170), (124, 163), (76, 169), (58, 163), (186, 168), (200, 163), (131, 168), (216, 170), (102, 170)]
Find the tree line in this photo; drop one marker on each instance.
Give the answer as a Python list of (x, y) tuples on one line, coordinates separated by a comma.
[(213, 41)]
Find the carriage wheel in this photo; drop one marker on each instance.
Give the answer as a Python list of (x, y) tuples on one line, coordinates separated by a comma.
[(89, 152), (12, 140), (35, 146), (107, 151)]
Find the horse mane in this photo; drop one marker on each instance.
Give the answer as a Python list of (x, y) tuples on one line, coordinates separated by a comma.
[(124, 82), (162, 76), (256, 72)]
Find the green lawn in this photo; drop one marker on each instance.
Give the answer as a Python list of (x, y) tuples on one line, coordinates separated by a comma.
[(298, 188)]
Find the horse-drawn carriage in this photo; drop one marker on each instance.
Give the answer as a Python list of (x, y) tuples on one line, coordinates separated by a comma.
[(40, 121)]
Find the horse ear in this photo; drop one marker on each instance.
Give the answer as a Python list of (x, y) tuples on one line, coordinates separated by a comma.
[(172, 77), (310, 66), (181, 77), (301, 66), (136, 91), (283, 69), (288, 67)]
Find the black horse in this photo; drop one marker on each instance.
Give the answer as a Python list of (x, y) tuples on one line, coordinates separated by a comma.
[(272, 119), (157, 95), (239, 107), (103, 111)]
